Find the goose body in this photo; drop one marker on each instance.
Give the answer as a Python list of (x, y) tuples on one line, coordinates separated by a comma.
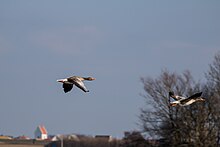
[(69, 82), (183, 101)]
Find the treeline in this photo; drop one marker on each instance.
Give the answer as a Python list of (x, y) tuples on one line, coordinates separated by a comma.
[(131, 139)]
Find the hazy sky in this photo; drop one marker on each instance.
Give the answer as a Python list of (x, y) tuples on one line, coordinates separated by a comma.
[(117, 42)]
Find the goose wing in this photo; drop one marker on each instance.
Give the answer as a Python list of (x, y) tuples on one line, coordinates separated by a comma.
[(67, 87), (80, 85), (175, 97), (184, 101), (196, 95)]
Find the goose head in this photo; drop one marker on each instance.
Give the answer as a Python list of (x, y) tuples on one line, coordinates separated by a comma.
[(171, 93), (89, 78)]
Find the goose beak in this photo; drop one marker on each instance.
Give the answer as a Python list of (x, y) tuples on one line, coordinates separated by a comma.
[(91, 78), (173, 104)]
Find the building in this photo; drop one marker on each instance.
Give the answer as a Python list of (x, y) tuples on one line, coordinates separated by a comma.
[(23, 137), (104, 137), (65, 137), (41, 132)]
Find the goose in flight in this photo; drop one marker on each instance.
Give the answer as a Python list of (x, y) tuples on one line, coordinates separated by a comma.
[(183, 101), (75, 80)]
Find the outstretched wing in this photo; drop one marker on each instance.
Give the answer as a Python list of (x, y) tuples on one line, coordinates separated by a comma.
[(194, 96), (81, 85), (67, 87), (184, 101), (175, 97)]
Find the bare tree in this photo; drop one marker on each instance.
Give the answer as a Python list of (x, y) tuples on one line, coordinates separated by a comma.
[(194, 125), (160, 120), (213, 86), (134, 139)]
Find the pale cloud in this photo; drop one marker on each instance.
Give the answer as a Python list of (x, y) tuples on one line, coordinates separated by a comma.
[(68, 40), (177, 47), (174, 53), (192, 49)]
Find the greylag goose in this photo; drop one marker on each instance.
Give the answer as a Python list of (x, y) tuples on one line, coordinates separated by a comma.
[(183, 101), (75, 80)]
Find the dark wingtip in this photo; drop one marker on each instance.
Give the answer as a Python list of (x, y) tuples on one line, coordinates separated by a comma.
[(171, 93), (198, 94), (86, 91)]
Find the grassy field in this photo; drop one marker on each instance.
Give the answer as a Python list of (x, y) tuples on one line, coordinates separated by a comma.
[(20, 145)]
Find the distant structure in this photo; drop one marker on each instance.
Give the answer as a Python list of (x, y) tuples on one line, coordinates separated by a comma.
[(65, 137), (23, 137), (104, 137), (41, 132)]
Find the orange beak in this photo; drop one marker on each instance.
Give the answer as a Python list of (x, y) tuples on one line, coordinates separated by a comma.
[(173, 104)]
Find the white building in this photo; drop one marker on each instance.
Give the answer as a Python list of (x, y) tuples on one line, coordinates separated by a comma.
[(65, 137), (41, 133)]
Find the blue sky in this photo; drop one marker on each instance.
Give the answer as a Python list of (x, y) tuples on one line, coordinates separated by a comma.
[(117, 42)]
